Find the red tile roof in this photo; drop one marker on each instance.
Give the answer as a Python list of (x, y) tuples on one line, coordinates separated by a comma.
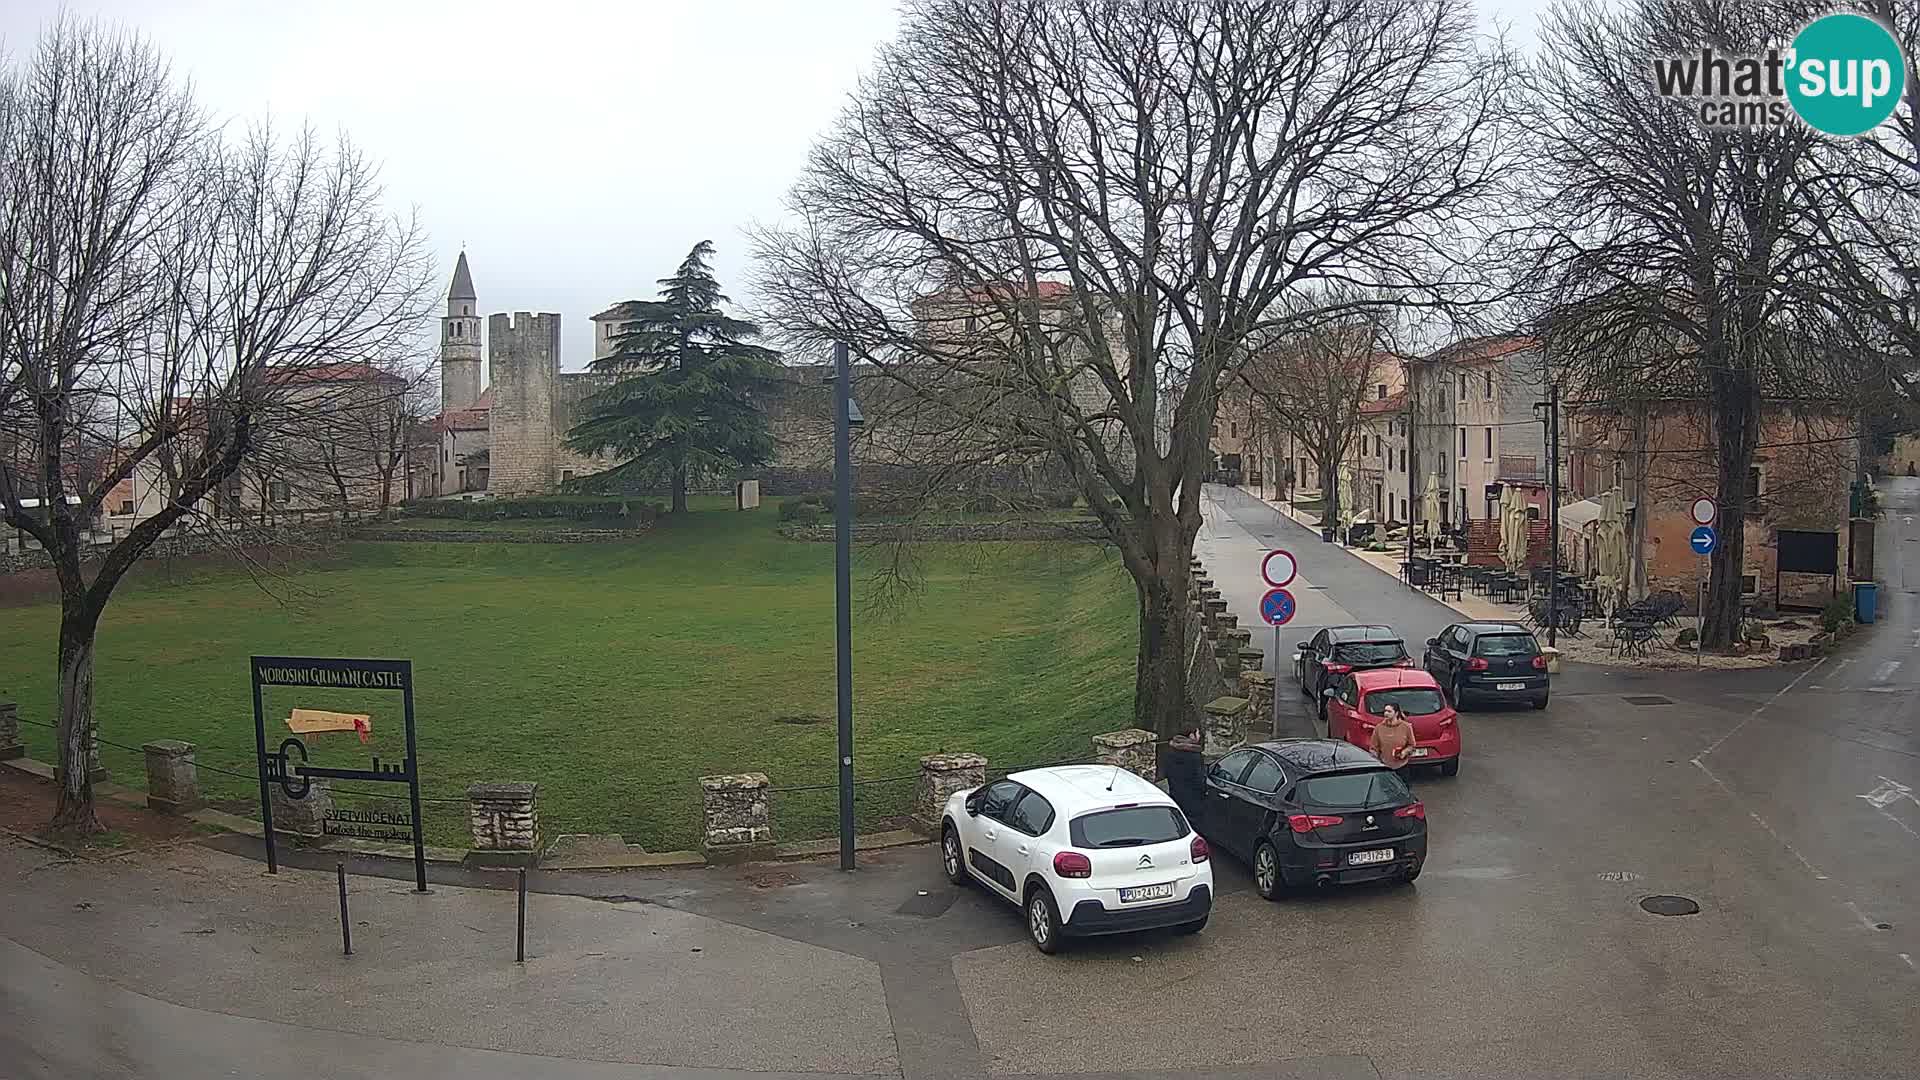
[(1481, 349), (347, 371)]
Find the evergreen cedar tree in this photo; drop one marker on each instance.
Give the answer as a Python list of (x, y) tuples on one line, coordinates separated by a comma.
[(686, 387)]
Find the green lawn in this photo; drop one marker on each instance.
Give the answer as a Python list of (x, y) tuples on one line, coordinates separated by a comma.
[(617, 674)]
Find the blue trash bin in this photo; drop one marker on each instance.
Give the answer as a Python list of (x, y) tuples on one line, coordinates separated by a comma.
[(1866, 601)]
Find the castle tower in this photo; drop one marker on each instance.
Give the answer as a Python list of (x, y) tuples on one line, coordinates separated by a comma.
[(460, 343), (526, 369)]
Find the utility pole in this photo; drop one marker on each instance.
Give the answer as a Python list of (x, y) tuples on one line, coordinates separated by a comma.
[(1413, 384), (1553, 513)]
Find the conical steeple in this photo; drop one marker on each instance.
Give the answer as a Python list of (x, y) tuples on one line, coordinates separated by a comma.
[(462, 283)]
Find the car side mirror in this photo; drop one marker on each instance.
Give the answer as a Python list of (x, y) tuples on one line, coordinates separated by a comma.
[(1301, 646), (1328, 693), (1433, 643), (973, 806)]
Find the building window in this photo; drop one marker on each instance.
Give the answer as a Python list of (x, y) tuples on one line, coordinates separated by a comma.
[(1463, 442), (1380, 391), (1403, 510), (277, 492), (566, 475), (1233, 427), (973, 323), (1463, 386), (126, 507), (1489, 378), (466, 309), (1756, 483), (1489, 444)]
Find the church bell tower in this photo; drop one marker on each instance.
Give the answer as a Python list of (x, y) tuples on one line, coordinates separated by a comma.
[(460, 343)]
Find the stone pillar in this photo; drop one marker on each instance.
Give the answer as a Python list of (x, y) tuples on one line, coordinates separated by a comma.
[(738, 816), (1257, 687), (940, 776), (1226, 726), (1227, 656), (1227, 620), (1132, 750), (173, 781), (10, 745), (505, 821), (1251, 659), (301, 817), (1214, 608)]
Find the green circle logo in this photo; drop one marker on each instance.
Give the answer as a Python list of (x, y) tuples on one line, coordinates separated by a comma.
[(1848, 74)]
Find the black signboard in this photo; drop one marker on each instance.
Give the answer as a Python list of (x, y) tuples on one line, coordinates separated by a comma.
[(1809, 552), (287, 765)]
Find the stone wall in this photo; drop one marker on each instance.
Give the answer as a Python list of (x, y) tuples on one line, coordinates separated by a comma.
[(15, 556), (737, 815), (941, 776), (1132, 750), (501, 536), (965, 532)]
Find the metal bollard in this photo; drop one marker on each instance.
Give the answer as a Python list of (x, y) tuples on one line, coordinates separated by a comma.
[(520, 929), (346, 928)]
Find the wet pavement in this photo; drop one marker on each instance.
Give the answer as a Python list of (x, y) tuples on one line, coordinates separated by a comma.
[(1522, 951)]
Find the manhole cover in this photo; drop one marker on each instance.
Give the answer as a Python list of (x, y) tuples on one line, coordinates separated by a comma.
[(1669, 905), (1648, 699)]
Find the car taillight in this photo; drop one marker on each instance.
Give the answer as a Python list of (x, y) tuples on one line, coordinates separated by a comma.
[(1200, 852), (1446, 721), (1304, 823), (1539, 663), (1418, 810), (1339, 669), (1476, 664), (1072, 864)]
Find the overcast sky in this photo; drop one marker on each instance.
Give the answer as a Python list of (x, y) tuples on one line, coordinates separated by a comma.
[(575, 149)]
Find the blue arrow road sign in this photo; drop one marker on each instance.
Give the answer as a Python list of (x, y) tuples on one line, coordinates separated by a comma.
[(1277, 607), (1703, 540)]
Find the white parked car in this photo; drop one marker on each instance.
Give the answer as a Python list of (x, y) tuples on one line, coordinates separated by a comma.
[(1083, 849)]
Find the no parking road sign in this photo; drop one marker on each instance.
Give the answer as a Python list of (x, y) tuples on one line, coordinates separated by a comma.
[(1277, 607)]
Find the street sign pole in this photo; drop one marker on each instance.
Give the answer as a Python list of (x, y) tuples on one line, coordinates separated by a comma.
[(843, 587), (1273, 715), (1699, 626)]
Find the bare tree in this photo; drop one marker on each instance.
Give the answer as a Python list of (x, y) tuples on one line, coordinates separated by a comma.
[(1676, 256), (1313, 382), (160, 291), (1043, 219)]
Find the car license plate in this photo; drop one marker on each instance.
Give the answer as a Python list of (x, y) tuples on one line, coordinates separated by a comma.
[(1511, 686), (1422, 751), (1146, 892), (1367, 858)]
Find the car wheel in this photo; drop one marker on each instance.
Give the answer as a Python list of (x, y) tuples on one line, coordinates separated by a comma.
[(1450, 768), (1459, 694), (1304, 692), (1043, 920), (1193, 927), (1266, 872), (1541, 701), (952, 860)]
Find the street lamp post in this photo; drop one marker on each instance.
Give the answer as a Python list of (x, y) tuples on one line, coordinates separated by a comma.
[(845, 415)]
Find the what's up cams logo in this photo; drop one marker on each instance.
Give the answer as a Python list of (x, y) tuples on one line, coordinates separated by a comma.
[(1843, 75)]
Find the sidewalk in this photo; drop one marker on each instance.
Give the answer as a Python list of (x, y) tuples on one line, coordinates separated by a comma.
[(622, 982)]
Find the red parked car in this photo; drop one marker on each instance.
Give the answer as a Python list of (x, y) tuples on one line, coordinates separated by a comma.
[(1359, 698)]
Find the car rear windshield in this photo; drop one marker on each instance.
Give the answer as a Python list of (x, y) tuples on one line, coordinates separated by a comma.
[(1413, 701), (1369, 652), (1506, 645), (1128, 827), (1354, 790)]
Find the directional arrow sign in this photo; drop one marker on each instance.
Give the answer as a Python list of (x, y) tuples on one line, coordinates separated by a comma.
[(1279, 568), (1277, 607), (1703, 540)]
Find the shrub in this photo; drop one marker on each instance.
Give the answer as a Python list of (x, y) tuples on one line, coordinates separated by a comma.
[(1060, 499), (1835, 614), (807, 509)]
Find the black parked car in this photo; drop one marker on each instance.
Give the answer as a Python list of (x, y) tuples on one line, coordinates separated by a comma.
[(1488, 660), (1313, 812), (1338, 650)]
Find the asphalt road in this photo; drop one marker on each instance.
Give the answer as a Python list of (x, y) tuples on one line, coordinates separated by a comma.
[(1773, 799)]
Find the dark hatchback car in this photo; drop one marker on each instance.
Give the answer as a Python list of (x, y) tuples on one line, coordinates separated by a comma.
[(1313, 812), (1489, 660), (1341, 650)]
